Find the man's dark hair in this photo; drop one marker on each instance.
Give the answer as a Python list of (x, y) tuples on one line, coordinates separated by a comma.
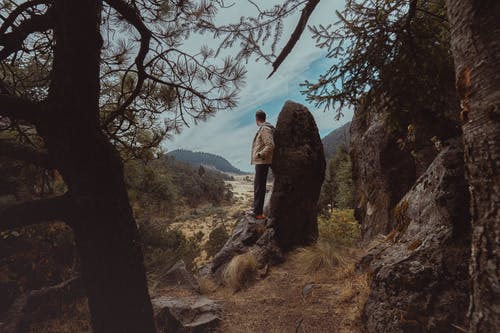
[(260, 115)]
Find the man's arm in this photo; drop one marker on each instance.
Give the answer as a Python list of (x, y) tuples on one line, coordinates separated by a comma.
[(267, 137)]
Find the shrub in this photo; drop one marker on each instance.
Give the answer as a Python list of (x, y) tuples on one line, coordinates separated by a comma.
[(164, 247), (340, 228), (338, 234), (216, 240)]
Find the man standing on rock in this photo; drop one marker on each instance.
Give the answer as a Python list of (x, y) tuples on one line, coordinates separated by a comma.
[(262, 157)]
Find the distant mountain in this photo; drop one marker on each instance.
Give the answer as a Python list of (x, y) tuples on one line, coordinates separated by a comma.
[(206, 159), (337, 137)]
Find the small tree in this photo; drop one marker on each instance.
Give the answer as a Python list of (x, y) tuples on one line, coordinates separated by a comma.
[(338, 187)]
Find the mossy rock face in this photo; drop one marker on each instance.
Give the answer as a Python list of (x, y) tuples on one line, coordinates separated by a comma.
[(401, 220), (414, 245), (421, 270), (382, 171)]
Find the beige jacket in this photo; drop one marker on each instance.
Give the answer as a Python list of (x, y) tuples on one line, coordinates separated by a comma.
[(263, 145)]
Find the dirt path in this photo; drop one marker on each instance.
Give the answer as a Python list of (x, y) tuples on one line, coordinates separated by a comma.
[(291, 301)]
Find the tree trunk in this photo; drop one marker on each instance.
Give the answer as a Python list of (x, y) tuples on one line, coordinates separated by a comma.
[(475, 31), (106, 235)]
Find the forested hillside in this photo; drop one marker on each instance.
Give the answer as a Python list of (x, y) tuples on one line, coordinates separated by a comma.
[(336, 138), (206, 159)]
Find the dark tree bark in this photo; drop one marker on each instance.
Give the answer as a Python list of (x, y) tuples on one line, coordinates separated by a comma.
[(475, 31), (106, 235)]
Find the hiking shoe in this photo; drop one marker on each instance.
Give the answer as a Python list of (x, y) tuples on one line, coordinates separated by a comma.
[(260, 217)]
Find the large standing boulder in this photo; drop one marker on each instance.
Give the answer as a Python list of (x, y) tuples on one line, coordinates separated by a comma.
[(299, 170), (419, 275)]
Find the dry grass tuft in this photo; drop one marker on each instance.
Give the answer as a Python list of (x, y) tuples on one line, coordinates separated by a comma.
[(322, 255), (240, 271), (337, 242)]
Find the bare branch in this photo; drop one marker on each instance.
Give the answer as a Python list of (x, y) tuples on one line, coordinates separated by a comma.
[(9, 21), (14, 150), (33, 212), (294, 38), (13, 41), (18, 108)]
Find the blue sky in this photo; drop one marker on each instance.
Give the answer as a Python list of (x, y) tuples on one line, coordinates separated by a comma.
[(230, 133)]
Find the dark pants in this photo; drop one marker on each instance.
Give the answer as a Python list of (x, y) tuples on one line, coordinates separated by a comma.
[(259, 187)]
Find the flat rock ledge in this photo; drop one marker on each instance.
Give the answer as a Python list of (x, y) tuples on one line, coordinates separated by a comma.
[(192, 314), (179, 276)]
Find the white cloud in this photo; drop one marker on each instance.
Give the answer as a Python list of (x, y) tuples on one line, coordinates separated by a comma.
[(220, 134)]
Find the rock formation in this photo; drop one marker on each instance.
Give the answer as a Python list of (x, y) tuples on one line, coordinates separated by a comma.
[(419, 275), (382, 172), (186, 315), (388, 158), (179, 276), (299, 170), (249, 234)]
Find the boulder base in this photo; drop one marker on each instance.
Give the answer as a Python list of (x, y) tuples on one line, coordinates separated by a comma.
[(249, 234)]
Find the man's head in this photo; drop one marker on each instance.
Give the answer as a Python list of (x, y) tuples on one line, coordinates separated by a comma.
[(260, 117)]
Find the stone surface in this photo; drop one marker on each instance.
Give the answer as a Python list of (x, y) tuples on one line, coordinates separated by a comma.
[(178, 275), (382, 172), (389, 150), (187, 314), (249, 234), (298, 169), (419, 275)]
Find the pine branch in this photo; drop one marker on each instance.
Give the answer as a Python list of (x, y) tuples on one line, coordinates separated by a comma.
[(294, 38), (13, 41), (131, 15)]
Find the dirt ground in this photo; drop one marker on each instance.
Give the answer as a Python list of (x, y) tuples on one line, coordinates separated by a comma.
[(290, 301)]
